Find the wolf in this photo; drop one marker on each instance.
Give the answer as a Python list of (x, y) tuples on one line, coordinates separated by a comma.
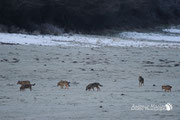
[(24, 86), (93, 85), (167, 88), (141, 80), (63, 83), (23, 82)]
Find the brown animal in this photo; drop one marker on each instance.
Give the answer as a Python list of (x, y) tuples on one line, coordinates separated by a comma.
[(63, 83), (24, 86), (92, 86), (167, 88), (141, 80), (23, 82)]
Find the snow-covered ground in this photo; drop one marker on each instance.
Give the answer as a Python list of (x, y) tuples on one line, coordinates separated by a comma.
[(116, 68), (54, 58), (172, 30), (168, 38), (156, 37)]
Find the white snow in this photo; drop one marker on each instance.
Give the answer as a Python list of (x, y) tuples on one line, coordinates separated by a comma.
[(117, 69), (172, 30), (150, 36), (124, 39)]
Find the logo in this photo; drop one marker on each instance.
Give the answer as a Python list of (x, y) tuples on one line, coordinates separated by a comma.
[(153, 107), (168, 106)]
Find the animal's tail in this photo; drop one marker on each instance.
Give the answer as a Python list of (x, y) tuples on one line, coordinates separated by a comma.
[(100, 85)]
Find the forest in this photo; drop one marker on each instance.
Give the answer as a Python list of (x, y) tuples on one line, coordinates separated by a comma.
[(86, 16)]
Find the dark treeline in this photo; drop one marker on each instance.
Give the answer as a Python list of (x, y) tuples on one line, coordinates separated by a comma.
[(48, 16)]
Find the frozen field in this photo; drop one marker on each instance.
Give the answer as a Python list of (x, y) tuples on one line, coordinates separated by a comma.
[(115, 65)]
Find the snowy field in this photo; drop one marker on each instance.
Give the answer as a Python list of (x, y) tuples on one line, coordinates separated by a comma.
[(165, 38), (115, 62)]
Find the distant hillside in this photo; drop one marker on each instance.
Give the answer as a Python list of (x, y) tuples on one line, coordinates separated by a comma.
[(48, 16)]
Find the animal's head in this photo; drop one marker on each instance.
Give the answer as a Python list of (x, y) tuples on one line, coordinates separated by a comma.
[(69, 84), (19, 82), (100, 85), (87, 88), (168, 86)]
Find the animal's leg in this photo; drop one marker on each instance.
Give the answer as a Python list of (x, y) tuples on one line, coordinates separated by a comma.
[(98, 89), (67, 87)]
